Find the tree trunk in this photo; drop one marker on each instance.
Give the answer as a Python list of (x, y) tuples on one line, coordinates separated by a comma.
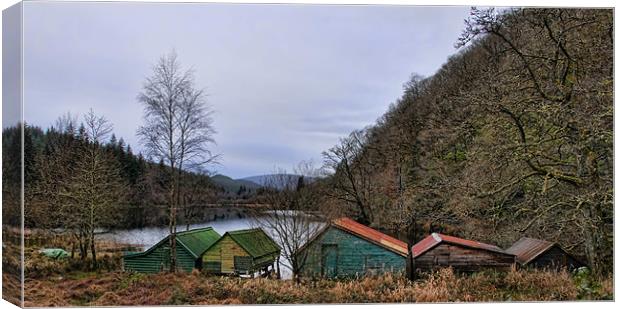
[(93, 250), (278, 268), (363, 219), (411, 267), (172, 227), (295, 270), (594, 238), (83, 246)]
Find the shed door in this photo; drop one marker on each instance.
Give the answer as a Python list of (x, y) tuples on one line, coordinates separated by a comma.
[(329, 260)]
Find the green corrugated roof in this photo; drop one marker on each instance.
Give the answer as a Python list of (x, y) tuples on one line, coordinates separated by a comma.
[(255, 241), (196, 241)]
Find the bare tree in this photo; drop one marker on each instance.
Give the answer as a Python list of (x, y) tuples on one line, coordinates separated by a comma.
[(289, 217), (79, 181), (96, 188), (554, 130), (352, 168), (54, 168), (178, 129)]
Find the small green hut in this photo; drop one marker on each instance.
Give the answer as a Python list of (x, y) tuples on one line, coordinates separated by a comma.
[(241, 252), (190, 247)]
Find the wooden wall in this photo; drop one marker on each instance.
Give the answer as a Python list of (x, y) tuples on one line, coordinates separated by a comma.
[(555, 258), (354, 256), (463, 259), (152, 261), (224, 252)]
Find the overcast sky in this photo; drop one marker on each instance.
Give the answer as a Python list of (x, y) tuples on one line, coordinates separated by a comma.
[(285, 81)]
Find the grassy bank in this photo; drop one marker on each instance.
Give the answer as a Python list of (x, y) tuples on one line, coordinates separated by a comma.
[(71, 282), (117, 288)]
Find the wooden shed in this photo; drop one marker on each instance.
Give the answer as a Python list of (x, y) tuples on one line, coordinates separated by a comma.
[(437, 251), (542, 254), (241, 252), (345, 248), (190, 247)]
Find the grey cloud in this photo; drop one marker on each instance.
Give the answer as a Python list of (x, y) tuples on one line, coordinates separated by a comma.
[(286, 81)]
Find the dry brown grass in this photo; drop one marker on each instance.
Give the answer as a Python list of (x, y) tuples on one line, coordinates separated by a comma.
[(126, 289), (37, 265), (11, 266)]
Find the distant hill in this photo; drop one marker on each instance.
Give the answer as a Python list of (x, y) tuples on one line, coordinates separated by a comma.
[(233, 185), (280, 179)]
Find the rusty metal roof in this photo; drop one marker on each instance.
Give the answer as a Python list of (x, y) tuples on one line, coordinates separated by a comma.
[(371, 235), (435, 239), (526, 249)]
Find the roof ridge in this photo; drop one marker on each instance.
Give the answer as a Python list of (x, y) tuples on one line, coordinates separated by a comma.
[(245, 231), (423, 246), (537, 239), (194, 230)]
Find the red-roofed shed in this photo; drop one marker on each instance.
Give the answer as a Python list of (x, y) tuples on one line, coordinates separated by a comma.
[(372, 235), (437, 251), (543, 254), (345, 248)]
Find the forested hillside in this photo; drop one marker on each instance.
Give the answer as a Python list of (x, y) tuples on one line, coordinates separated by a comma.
[(512, 137), (52, 168)]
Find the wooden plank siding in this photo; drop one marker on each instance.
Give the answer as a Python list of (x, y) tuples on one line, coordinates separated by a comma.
[(538, 253), (159, 259), (241, 252), (354, 256), (190, 245), (463, 259), (224, 252), (555, 258)]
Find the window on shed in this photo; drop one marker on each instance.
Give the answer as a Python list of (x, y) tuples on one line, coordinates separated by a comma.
[(373, 264), (243, 263)]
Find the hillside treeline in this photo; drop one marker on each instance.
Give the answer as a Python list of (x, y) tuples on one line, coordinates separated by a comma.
[(54, 165), (512, 137)]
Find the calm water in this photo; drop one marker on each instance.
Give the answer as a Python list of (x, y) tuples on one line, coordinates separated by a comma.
[(149, 236)]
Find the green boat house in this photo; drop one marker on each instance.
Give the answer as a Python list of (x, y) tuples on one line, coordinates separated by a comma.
[(190, 246), (242, 252)]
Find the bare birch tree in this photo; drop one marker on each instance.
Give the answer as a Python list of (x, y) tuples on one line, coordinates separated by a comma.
[(289, 217), (178, 129)]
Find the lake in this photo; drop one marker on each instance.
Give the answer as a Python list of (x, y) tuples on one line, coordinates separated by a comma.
[(149, 236)]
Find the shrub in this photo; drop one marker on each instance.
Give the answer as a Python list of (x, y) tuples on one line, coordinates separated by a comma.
[(116, 288)]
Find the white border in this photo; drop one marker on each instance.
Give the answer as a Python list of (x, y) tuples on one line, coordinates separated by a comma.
[(523, 3)]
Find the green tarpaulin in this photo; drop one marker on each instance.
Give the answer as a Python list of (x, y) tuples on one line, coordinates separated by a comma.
[(55, 253)]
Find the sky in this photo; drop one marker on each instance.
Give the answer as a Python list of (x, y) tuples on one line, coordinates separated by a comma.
[(285, 81)]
